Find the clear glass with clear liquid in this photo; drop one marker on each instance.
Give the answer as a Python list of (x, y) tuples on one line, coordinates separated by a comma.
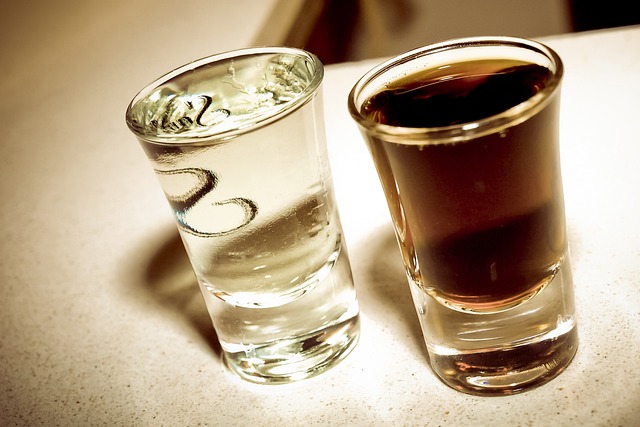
[(237, 142)]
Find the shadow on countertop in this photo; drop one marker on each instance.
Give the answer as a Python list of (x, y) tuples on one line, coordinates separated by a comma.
[(168, 278), (383, 290)]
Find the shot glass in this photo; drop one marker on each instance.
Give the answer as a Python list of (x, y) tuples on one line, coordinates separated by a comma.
[(237, 142), (464, 136)]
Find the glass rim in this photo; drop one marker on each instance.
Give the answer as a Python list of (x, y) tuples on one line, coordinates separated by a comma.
[(462, 131), (220, 58)]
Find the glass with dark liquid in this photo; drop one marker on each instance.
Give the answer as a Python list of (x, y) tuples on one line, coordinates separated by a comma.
[(464, 135)]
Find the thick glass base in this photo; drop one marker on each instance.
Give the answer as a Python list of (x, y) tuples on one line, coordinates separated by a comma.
[(508, 370), (295, 358), (292, 341), (504, 352)]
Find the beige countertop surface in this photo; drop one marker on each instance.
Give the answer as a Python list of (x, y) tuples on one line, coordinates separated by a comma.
[(101, 320)]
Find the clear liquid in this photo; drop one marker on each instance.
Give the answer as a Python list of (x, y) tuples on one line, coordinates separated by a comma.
[(245, 332), (248, 245), (220, 97), (256, 211), (275, 276), (271, 262)]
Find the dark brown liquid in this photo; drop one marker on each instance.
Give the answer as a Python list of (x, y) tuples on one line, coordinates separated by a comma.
[(480, 223)]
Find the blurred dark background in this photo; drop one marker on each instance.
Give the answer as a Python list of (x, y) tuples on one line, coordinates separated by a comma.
[(348, 30)]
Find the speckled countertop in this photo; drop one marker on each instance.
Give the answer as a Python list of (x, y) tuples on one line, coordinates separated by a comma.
[(101, 321)]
